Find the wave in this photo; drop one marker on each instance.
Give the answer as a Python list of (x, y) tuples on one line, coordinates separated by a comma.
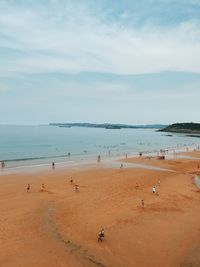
[(35, 158)]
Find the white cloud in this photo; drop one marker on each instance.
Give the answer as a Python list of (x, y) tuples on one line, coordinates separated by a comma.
[(75, 39)]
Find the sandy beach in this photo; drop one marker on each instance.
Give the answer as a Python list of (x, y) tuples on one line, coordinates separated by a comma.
[(99, 133), (59, 226)]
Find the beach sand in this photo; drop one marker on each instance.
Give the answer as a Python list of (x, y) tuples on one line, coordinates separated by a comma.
[(59, 227)]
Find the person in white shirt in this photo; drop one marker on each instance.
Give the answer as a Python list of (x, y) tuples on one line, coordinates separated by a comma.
[(153, 189)]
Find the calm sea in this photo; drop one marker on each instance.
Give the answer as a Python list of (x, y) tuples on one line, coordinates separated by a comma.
[(33, 145)]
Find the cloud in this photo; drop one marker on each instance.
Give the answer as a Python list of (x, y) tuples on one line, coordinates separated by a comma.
[(97, 97), (62, 36), (94, 60)]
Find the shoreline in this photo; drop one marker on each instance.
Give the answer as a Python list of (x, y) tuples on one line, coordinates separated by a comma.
[(91, 160)]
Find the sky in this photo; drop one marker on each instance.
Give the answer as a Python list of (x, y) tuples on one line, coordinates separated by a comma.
[(123, 61)]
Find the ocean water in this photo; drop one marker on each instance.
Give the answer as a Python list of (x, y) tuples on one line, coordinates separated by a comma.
[(33, 145)]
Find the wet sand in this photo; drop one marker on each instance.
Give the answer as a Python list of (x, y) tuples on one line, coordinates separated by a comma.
[(59, 227)]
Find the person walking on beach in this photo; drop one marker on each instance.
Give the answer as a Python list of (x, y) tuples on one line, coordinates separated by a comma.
[(28, 189), (121, 166), (101, 235), (71, 181), (153, 189), (76, 188), (142, 204), (136, 186), (42, 188), (159, 182)]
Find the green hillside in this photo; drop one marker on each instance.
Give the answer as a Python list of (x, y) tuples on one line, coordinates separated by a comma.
[(188, 127)]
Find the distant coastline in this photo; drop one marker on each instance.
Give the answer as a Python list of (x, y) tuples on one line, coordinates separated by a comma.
[(192, 129), (108, 125)]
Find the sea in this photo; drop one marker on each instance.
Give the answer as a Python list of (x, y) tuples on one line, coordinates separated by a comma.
[(33, 146)]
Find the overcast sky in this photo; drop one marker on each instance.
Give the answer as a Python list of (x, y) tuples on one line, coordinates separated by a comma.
[(123, 61)]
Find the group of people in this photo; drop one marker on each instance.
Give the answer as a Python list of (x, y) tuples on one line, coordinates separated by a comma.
[(101, 234), (76, 186), (28, 188), (154, 191)]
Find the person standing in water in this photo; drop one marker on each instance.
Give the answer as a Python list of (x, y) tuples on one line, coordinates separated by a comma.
[(2, 164), (99, 159)]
